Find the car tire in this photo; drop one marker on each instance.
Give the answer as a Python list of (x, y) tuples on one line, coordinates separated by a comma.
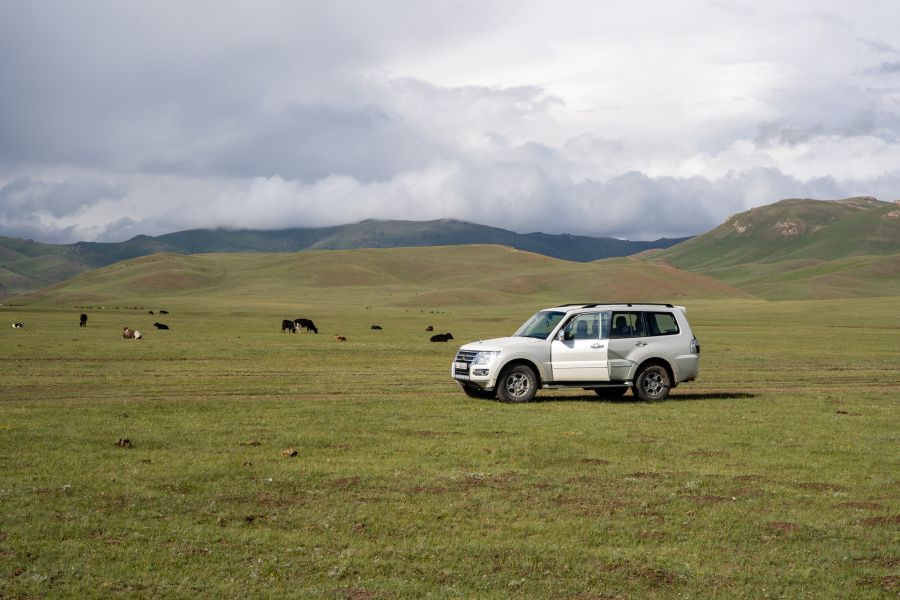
[(611, 393), (474, 392), (517, 384), (652, 384)]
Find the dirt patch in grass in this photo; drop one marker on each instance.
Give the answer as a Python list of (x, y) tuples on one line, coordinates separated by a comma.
[(355, 594), (642, 475), (345, 482), (823, 487), (746, 492), (426, 489), (886, 562), (654, 576), (782, 526), (888, 583), (276, 501), (860, 505), (878, 521), (594, 461)]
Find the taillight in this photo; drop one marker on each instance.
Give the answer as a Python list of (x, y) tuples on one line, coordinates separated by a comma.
[(695, 346)]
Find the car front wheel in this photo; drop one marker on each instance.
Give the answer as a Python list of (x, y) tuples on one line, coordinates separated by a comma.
[(517, 384), (652, 384)]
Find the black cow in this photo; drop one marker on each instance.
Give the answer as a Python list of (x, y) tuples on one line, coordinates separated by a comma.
[(83, 322), (429, 328), (18, 325), (376, 326), (163, 312), (306, 324), (288, 326), (442, 337), (160, 325)]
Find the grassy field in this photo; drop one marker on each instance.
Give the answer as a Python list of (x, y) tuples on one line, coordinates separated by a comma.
[(775, 474)]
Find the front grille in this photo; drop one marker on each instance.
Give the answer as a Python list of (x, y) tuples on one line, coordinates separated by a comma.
[(466, 356)]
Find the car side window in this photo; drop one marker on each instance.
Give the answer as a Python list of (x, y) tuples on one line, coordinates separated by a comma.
[(662, 323), (587, 326), (626, 324)]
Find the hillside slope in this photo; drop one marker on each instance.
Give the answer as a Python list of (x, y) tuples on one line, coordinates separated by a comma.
[(798, 249), (26, 265), (425, 277)]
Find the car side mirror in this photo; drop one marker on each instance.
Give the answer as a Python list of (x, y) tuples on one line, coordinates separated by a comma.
[(562, 336)]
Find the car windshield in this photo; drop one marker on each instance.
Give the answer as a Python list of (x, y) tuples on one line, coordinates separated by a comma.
[(540, 325)]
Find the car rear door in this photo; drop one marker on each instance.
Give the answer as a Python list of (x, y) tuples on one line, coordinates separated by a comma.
[(581, 354), (628, 343)]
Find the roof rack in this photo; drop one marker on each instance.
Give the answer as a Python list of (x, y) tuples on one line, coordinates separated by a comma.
[(595, 304)]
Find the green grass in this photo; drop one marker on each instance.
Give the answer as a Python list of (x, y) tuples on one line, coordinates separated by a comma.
[(775, 474)]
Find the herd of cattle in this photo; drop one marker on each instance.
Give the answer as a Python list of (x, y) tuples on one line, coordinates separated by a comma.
[(297, 324), (293, 326)]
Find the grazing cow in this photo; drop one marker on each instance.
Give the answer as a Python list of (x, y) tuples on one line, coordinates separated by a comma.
[(150, 312), (160, 325), (376, 326), (442, 337), (429, 328), (83, 321), (18, 325), (163, 312), (306, 324), (340, 338), (288, 326)]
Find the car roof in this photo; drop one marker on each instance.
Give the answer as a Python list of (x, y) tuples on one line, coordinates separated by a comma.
[(586, 305)]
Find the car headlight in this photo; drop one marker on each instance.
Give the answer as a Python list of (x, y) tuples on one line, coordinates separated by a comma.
[(483, 358)]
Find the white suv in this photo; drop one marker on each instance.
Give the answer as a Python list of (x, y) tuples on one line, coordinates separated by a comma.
[(605, 347)]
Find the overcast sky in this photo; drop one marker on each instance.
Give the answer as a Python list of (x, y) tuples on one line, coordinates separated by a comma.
[(634, 120)]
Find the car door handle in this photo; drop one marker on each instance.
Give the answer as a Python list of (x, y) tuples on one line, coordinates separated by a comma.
[(597, 346), (641, 344)]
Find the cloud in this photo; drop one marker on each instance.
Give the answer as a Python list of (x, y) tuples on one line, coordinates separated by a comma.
[(25, 197), (125, 118)]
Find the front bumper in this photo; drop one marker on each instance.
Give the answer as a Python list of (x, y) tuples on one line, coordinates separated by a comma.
[(482, 376)]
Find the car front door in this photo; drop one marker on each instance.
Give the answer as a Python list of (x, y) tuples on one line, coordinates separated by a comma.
[(579, 353)]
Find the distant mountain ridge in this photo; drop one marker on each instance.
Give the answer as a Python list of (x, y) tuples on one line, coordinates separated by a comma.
[(26, 265)]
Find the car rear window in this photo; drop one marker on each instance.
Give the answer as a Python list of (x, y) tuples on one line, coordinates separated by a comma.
[(662, 323)]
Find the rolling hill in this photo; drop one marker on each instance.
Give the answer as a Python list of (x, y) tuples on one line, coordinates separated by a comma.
[(801, 249), (426, 277), (26, 265)]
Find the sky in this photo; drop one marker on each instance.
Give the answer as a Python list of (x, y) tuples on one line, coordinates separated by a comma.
[(635, 120)]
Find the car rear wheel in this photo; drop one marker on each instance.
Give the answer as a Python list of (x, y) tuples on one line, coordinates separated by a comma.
[(517, 384), (652, 384)]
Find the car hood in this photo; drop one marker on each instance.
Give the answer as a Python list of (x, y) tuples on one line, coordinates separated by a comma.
[(503, 343)]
